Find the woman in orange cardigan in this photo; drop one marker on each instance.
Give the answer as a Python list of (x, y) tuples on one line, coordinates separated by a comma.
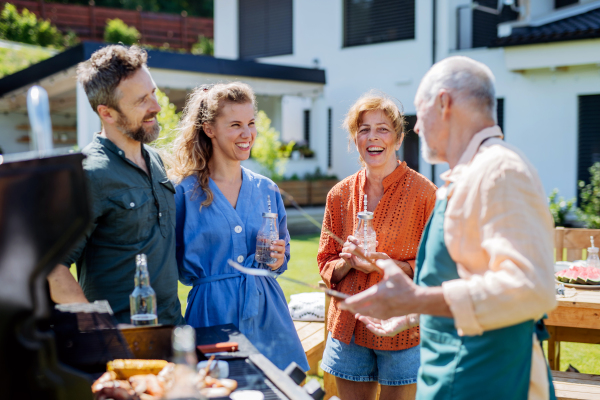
[(401, 200)]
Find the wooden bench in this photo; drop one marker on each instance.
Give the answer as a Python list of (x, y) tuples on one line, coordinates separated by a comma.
[(311, 336), (576, 386)]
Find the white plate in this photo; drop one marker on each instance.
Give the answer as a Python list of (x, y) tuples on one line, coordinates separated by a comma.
[(578, 286)]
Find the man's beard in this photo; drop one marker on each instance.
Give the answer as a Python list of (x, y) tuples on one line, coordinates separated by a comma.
[(428, 154), (138, 133)]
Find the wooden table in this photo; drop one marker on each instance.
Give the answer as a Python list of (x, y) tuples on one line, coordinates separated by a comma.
[(312, 336), (576, 319), (576, 386)]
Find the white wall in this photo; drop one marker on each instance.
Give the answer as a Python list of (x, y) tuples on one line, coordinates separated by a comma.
[(540, 115)]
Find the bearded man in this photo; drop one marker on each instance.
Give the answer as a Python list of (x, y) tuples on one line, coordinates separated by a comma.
[(133, 207)]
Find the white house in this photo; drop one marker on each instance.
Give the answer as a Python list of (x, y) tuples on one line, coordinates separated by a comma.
[(545, 55)]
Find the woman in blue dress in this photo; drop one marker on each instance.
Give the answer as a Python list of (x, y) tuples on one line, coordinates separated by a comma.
[(219, 212)]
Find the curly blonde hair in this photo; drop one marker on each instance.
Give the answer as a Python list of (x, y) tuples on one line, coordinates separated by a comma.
[(371, 101), (193, 149)]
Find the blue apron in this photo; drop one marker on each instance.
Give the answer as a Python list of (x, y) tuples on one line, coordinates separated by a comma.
[(494, 365)]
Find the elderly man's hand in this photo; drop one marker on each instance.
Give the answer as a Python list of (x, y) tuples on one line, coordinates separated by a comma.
[(393, 296), (389, 327)]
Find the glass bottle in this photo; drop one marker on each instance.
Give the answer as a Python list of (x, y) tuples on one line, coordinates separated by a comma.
[(365, 233), (592, 257), (185, 377), (266, 235), (142, 300)]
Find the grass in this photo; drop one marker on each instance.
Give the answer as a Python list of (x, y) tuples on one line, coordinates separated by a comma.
[(13, 60)]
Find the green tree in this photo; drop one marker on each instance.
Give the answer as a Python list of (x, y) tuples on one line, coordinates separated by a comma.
[(589, 212), (168, 119), (25, 27), (559, 207), (117, 31), (268, 151)]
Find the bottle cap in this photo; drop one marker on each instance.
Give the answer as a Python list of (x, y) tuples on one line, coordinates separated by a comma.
[(365, 215), (269, 215)]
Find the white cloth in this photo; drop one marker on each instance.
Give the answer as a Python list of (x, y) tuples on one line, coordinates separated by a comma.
[(307, 307)]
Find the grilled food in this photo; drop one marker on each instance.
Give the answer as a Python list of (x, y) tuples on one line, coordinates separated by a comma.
[(125, 369)]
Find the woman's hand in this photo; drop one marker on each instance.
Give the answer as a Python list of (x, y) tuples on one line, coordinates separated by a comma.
[(278, 252), (353, 261), (389, 327)]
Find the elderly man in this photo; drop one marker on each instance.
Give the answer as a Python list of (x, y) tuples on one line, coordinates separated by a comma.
[(484, 276), (133, 203)]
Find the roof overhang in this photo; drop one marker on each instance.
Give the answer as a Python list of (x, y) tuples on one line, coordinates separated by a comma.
[(170, 70)]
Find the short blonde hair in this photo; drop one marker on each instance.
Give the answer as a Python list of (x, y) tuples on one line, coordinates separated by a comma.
[(372, 101)]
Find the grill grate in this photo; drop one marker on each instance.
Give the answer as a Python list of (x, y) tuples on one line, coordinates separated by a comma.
[(250, 378)]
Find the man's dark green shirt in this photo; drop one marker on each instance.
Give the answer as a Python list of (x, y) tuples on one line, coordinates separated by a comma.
[(133, 213)]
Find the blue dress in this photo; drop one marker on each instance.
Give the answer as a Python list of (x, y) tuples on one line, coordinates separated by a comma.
[(220, 294)]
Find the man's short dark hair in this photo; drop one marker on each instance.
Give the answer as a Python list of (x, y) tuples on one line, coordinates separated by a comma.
[(106, 68)]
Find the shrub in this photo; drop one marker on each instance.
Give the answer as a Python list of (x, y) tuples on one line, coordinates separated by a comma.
[(268, 150), (168, 119), (204, 46), (589, 212), (14, 60), (117, 31), (25, 27), (559, 207)]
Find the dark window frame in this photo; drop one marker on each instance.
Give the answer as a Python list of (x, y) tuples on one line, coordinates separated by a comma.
[(277, 35), (588, 135), (348, 43)]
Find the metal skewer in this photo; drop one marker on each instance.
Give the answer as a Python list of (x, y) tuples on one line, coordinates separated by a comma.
[(264, 272)]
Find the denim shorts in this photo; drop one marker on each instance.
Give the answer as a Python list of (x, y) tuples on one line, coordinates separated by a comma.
[(361, 364)]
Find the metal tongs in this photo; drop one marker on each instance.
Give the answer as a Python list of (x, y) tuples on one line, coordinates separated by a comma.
[(264, 272)]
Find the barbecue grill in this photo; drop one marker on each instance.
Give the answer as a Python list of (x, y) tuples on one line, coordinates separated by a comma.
[(56, 354)]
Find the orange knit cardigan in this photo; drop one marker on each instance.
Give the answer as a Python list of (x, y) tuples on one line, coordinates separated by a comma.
[(399, 220)]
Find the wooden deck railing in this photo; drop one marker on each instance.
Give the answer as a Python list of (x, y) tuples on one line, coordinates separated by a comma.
[(88, 22)]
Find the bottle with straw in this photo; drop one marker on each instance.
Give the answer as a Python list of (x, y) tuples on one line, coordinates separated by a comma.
[(365, 232), (592, 258), (266, 235)]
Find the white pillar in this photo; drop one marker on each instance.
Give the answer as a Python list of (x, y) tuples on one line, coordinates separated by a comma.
[(226, 29), (318, 131), (88, 121)]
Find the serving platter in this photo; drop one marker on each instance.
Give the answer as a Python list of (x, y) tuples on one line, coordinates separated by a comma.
[(578, 286)]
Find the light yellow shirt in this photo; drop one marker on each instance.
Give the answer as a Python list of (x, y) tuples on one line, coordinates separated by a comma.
[(499, 231)]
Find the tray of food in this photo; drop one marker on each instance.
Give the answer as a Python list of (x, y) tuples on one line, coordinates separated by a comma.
[(577, 276), (155, 379)]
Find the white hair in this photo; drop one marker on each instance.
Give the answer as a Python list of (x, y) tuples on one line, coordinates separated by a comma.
[(465, 79)]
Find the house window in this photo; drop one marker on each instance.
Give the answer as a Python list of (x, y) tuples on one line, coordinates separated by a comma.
[(378, 21), (307, 127), (485, 25), (479, 27), (500, 114), (589, 135), (410, 146), (564, 3), (265, 28)]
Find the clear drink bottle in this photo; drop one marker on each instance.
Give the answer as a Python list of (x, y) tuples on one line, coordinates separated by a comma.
[(142, 300), (592, 257), (266, 235), (365, 233), (185, 377)]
